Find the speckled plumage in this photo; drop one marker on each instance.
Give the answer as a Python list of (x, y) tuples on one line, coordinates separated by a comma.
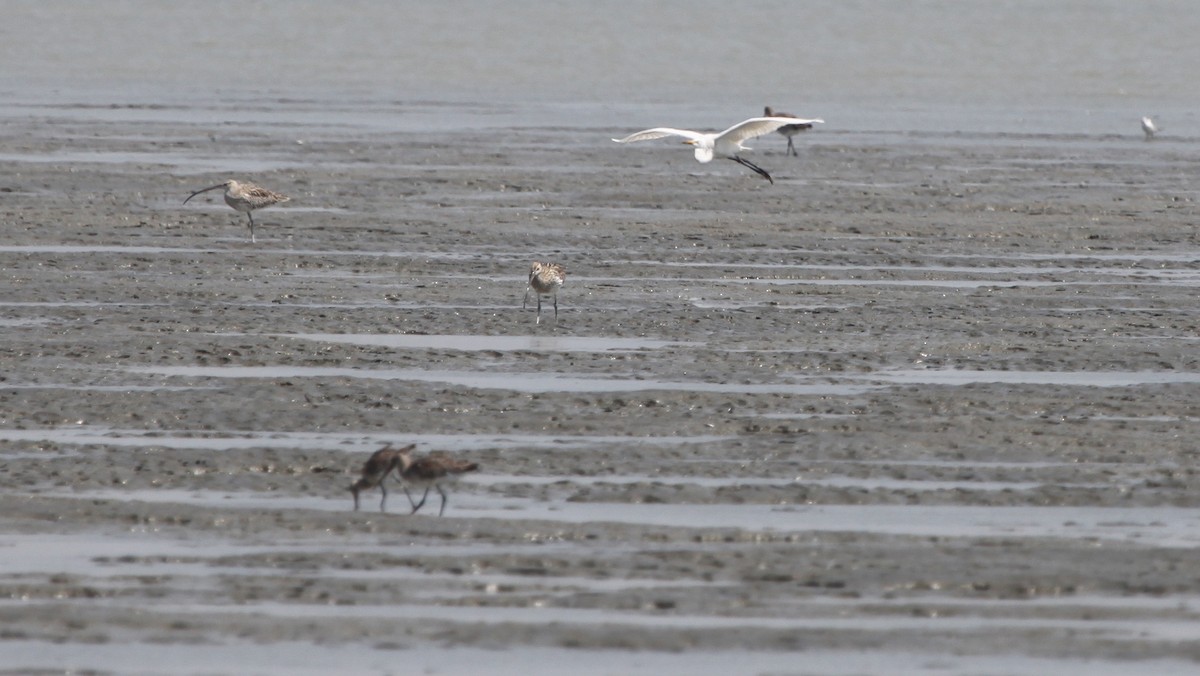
[(545, 279), (430, 471), (245, 197), (376, 469)]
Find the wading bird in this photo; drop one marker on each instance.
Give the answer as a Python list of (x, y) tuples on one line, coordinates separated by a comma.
[(545, 279), (430, 470), (788, 130), (375, 470), (245, 197), (725, 144), (1149, 128)]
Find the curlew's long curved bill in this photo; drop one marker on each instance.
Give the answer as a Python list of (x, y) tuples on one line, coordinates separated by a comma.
[(219, 185)]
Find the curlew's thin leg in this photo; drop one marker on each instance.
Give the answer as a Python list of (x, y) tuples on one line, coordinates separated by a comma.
[(443, 494), (417, 505), (753, 167), (525, 300), (354, 491), (383, 500), (251, 217), (792, 148), (556, 306), (539, 317)]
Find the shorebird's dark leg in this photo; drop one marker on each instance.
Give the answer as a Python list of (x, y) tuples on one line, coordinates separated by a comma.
[(525, 300), (417, 505), (792, 148), (443, 494), (539, 318), (354, 491), (753, 167), (251, 217), (383, 500), (556, 307)]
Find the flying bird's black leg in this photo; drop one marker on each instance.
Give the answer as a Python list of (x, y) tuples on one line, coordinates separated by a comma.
[(792, 148), (753, 167)]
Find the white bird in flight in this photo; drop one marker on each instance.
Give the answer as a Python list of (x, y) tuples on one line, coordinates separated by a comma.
[(1149, 127), (726, 144)]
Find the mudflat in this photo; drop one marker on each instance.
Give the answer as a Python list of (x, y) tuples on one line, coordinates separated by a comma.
[(927, 404)]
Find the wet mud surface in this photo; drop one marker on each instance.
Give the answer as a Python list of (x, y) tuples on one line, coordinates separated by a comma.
[(929, 400)]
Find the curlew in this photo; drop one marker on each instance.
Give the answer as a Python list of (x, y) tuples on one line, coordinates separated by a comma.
[(245, 197), (726, 144), (430, 471), (376, 469), (545, 279), (788, 130)]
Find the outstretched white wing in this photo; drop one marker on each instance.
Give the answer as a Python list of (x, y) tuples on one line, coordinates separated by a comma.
[(660, 132), (757, 126)]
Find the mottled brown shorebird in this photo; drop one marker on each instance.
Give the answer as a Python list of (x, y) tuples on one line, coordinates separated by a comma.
[(245, 197), (378, 466), (430, 471), (790, 130), (545, 279)]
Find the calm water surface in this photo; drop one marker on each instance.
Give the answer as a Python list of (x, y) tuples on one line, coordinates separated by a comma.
[(1020, 66)]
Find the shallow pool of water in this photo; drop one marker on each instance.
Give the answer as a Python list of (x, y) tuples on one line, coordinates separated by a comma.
[(1152, 526), (1073, 378), (498, 343), (292, 658), (519, 381), (350, 442), (867, 483)]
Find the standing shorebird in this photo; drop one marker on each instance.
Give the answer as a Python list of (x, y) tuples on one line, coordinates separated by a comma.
[(545, 279), (245, 197), (725, 144), (430, 470), (378, 466), (1149, 128), (788, 130)]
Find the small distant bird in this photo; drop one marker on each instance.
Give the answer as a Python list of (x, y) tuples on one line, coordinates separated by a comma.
[(789, 130), (245, 197), (725, 144), (430, 470), (545, 279), (1149, 128), (378, 466)]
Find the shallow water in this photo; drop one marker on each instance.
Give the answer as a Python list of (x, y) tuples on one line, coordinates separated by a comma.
[(286, 658), (956, 377), (521, 382), (1145, 526), (350, 441), (962, 66), (719, 482), (498, 343)]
